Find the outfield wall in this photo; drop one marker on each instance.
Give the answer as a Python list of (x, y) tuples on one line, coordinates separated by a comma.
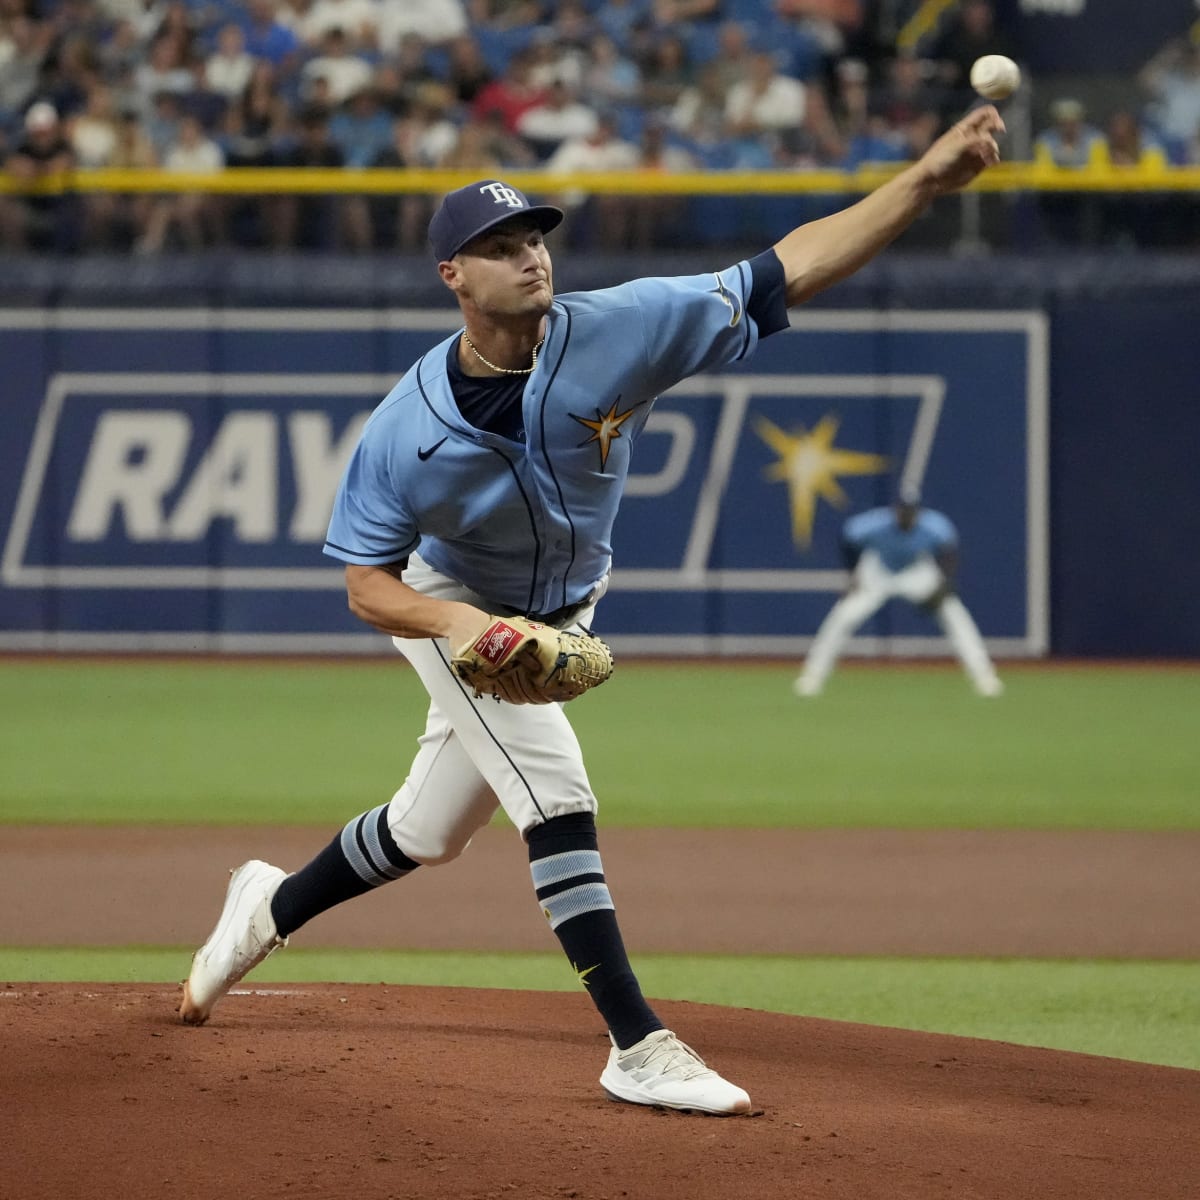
[(167, 473)]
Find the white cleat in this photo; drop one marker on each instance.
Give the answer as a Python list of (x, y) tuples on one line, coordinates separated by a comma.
[(661, 1071), (244, 936), (990, 687), (805, 687)]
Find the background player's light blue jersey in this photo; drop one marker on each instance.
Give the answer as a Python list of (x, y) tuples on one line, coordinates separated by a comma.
[(528, 526), (876, 529)]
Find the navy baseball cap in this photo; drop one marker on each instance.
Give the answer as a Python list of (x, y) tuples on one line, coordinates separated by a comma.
[(466, 213)]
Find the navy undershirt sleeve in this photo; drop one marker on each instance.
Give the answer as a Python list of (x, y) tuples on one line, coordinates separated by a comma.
[(767, 303)]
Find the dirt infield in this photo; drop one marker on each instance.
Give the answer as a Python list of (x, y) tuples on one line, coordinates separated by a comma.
[(358, 1092), (379, 1093)]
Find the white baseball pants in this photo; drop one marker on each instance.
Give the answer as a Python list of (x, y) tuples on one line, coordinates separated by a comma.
[(476, 755), (874, 586)]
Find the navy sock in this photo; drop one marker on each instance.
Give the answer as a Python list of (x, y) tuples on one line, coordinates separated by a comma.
[(568, 877), (363, 856)]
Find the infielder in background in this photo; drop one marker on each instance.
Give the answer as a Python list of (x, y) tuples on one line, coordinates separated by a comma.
[(486, 484), (905, 552)]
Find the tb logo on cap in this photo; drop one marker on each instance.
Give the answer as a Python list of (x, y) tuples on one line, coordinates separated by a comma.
[(502, 194)]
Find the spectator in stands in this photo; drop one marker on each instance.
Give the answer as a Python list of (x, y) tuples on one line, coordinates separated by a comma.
[(1172, 81), (734, 54), (565, 45), (256, 122), (343, 71), (356, 20), (68, 71), (113, 219), (610, 79), (435, 22), (767, 103), (968, 34), (165, 70), (474, 152), (23, 47), (162, 122), (361, 128), (1069, 141), (509, 148), (119, 54), (1128, 143), (658, 222), (764, 100), (40, 222), (824, 25), (911, 104), (617, 18), (293, 14), (253, 127), (560, 117), (194, 217), (268, 38), (1070, 218), (430, 132), (863, 130), (412, 62), (93, 132), (604, 220), (513, 94), (665, 74), (397, 222), (467, 71), (228, 69), (699, 114), (309, 221), (177, 22), (1133, 219)]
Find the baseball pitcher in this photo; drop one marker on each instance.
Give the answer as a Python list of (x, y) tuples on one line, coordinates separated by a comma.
[(475, 522)]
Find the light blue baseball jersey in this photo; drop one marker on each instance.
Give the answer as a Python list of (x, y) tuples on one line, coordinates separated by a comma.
[(528, 525), (876, 529)]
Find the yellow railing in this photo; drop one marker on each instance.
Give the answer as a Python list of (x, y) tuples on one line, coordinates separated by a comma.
[(1005, 177)]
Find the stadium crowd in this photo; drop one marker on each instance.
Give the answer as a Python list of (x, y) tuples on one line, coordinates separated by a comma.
[(488, 86)]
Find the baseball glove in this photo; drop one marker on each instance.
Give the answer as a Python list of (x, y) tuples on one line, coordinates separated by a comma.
[(520, 661)]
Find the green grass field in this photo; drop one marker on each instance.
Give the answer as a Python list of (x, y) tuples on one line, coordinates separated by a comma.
[(686, 745), (260, 743)]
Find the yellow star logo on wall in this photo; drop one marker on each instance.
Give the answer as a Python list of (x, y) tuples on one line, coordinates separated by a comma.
[(605, 428), (809, 464)]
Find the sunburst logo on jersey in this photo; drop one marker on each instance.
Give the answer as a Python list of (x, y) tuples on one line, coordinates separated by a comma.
[(606, 428), (809, 463)]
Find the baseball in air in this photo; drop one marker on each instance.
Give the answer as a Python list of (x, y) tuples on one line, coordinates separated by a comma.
[(995, 76)]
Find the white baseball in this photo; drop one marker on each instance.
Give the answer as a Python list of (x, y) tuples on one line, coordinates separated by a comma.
[(995, 76)]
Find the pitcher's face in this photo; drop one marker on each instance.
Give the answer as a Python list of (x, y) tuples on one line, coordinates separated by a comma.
[(504, 272)]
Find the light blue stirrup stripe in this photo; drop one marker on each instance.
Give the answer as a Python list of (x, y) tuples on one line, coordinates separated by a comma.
[(372, 867), (590, 893), (587, 897), (567, 865)]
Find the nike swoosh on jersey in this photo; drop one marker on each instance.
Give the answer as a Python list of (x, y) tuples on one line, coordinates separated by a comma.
[(424, 454)]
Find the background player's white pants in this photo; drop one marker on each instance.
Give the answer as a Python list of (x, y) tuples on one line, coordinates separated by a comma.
[(874, 586), (477, 754)]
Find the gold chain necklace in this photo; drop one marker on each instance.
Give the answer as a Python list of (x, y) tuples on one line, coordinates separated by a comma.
[(505, 370)]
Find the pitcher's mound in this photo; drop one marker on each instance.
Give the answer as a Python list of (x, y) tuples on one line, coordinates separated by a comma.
[(363, 1092)]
